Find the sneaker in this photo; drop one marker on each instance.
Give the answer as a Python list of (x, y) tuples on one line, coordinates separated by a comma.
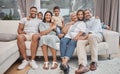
[(23, 65), (33, 64), (66, 70), (62, 67)]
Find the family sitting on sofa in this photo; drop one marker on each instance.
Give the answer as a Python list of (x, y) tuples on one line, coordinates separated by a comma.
[(82, 29)]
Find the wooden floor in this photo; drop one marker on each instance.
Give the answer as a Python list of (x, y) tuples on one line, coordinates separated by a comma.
[(13, 68)]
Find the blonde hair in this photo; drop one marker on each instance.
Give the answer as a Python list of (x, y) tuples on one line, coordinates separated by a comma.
[(72, 13)]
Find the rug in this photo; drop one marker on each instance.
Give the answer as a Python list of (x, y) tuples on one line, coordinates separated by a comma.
[(104, 67)]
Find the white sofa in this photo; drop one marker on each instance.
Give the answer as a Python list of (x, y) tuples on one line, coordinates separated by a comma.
[(9, 51)]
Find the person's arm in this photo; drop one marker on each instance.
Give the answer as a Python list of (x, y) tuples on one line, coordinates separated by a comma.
[(20, 29), (83, 37), (66, 27), (53, 26), (82, 29), (78, 35), (104, 26), (62, 23), (65, 30)]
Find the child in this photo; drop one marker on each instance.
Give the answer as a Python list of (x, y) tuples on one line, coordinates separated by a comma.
[(57, 20), (40, 15)]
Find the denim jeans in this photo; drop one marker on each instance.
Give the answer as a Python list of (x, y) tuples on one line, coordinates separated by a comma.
[(58, 30), (67, 47)]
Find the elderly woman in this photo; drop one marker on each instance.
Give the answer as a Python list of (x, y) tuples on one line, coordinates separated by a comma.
[(74, 19), (68, 43), (48, 40)]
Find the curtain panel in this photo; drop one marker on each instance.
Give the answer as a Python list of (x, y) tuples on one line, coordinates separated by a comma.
[(24, 6), (109, 13)]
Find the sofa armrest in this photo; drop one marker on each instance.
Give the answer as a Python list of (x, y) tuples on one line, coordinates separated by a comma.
[(112, 39)]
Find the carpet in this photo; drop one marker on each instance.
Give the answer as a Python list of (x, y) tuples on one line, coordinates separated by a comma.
[(104, 67)]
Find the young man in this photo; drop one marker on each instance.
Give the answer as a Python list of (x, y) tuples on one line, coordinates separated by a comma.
[(28, 31), (95, 36)]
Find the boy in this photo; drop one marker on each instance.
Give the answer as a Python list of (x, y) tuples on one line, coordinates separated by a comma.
[(57, 20)]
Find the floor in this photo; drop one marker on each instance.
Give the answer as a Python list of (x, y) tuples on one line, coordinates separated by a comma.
[(13, 68)]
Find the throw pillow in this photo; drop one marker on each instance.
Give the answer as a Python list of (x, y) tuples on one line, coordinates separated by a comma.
[(4, 37)]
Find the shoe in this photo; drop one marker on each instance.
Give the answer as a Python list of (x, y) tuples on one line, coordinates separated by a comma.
[(33, 64), (67, 69), (62, 67), (82, 69), (54, 65), (23, 65), (46, 65), (93, 66)]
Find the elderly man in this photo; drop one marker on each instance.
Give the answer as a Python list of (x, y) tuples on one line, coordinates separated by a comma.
[(94, 31)]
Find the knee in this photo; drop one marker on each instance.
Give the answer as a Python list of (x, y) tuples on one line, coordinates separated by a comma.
[(81, 42), (91, 36), (72, 43), (63, 41), (20, 37), (35, 37)]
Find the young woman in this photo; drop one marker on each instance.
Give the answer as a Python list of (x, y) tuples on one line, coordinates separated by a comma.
[(48, 40)]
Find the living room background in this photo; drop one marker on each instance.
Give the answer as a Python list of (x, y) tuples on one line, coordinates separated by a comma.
[(11, 9)]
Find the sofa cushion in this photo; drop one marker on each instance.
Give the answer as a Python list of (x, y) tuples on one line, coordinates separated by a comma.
[(4, 37), (28, 43), (39, 51), (7, 49), (9, 26), (102, 48)]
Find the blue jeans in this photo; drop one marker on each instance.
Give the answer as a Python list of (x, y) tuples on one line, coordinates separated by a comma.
[(67, 47), (58, 30)]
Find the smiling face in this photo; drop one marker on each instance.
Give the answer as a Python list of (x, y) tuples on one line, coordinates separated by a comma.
[(39, 16), (48, 17), (33, 12), (80, 15), (56, 12), (88, 14), (73, 17)]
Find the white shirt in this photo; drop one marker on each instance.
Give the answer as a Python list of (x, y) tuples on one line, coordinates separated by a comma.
[(75, 29), (30, 26), (94, 25)]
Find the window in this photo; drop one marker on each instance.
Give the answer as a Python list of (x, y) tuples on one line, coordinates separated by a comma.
[(66, 6), (8, 10)]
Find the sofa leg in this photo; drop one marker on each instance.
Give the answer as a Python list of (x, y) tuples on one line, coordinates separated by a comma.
[(109, 56)]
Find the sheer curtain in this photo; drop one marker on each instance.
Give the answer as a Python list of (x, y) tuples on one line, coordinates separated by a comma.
[(24, 6), (109, 12)]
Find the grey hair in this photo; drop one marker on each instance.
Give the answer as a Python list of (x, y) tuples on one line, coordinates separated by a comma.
[(88, 10)]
